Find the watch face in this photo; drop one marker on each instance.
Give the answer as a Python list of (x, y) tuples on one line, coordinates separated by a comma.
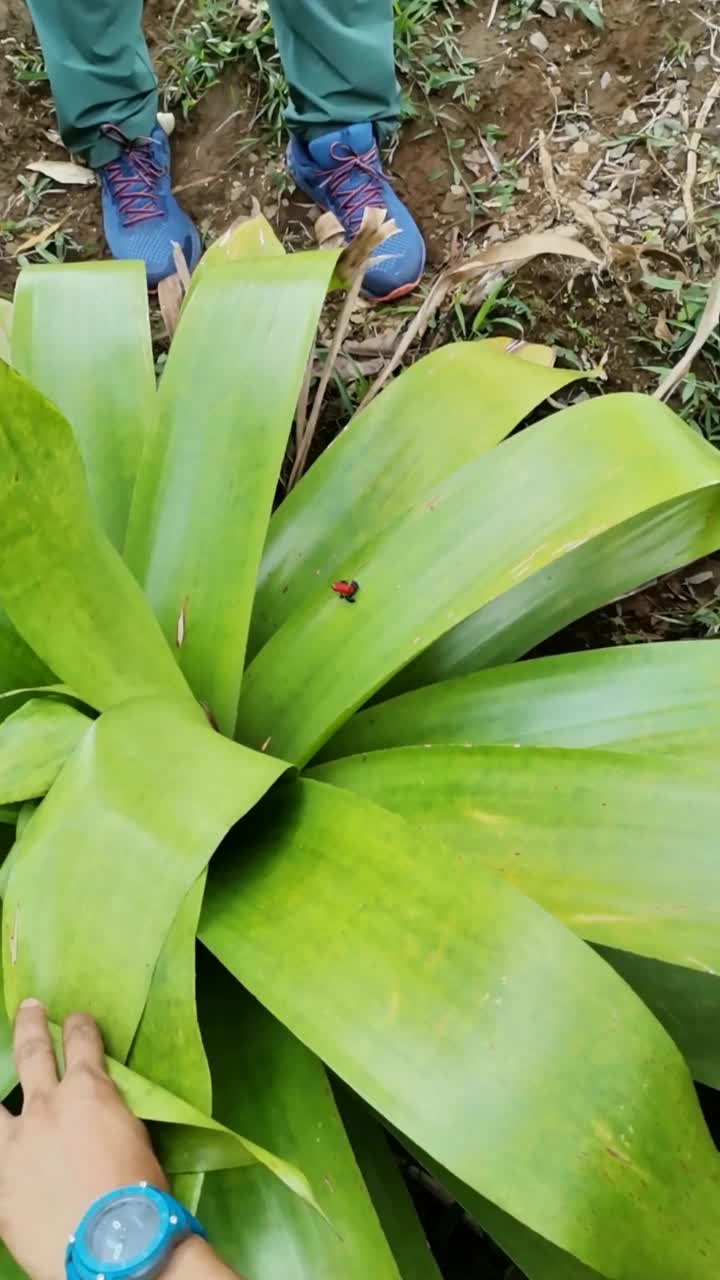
[(123, 1231)]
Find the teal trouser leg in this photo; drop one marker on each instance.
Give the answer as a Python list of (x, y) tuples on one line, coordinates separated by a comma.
[(99, 70), (338, 59)]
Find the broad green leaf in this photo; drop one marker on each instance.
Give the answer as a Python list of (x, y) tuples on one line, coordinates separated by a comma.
[(493, 523), (419, 977), (265, 1080), (685, 1001), (389, 1193), (81, 336), (620, 847), (13, 699), (35, 742), (610, 564), (650, 697), (6, 315), (62, 583), (168, 1047), (443, 412), (108, 858), (208, 477), (18, 664)]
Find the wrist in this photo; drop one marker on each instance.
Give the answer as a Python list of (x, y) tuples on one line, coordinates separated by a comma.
[(194, 1259)]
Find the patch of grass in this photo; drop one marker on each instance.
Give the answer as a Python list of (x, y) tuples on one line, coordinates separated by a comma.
[(26, 59), (428, 53), (591, 10), (59, 247), (220, 35), (699, 396), (502, 312)]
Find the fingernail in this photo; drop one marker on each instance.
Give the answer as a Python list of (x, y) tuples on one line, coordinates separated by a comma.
[(31, 1003)]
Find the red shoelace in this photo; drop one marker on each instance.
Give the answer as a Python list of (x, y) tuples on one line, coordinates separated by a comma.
[(368, 194), (133, 178)]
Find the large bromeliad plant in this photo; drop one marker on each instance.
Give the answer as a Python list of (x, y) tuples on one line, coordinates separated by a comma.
[(474, 902)]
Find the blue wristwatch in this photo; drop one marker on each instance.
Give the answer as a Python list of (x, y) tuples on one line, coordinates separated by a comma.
[(129, 1234)]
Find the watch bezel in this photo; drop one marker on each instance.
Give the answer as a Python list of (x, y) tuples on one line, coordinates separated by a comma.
[(142, 1265)]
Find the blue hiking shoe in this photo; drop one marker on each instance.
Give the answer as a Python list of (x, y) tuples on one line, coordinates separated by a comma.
[(342, 172), (140, 214)]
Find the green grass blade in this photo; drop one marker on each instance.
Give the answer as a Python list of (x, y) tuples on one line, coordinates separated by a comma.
[(617, 846), (520, 507), (81, 336), (659, 697), (418, 976), (133, 819), (270, 1086), (35, 742), (443, 412), (62, 583), (207, 480)]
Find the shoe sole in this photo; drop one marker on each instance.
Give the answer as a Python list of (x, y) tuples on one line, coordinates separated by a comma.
[(402, 291)]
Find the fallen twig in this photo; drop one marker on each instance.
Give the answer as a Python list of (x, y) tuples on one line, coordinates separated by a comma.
[(708, 323), (692, 157)]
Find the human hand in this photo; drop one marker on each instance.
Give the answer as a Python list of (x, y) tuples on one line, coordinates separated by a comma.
[(74, 1141)]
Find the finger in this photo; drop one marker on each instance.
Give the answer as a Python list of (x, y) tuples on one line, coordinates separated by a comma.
[(83, 1044), (33, 1051)]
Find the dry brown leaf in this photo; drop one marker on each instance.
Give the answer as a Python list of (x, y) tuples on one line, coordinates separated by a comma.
[(170, 297), (521, 249), (524, 247), (329, 231), (375, 229), (40, 236), (662, 329), (65, 171), (707, 326)]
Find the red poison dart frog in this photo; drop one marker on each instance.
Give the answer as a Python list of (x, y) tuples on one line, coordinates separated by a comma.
[(346, 590)]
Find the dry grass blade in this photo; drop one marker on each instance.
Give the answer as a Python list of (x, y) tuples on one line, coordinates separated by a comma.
[(694, 143), (374, 231), (518, 251), (303, 401), (708, 323), (40, 236), (341, 329), (181, 265), (548, 171), (170, 298)]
